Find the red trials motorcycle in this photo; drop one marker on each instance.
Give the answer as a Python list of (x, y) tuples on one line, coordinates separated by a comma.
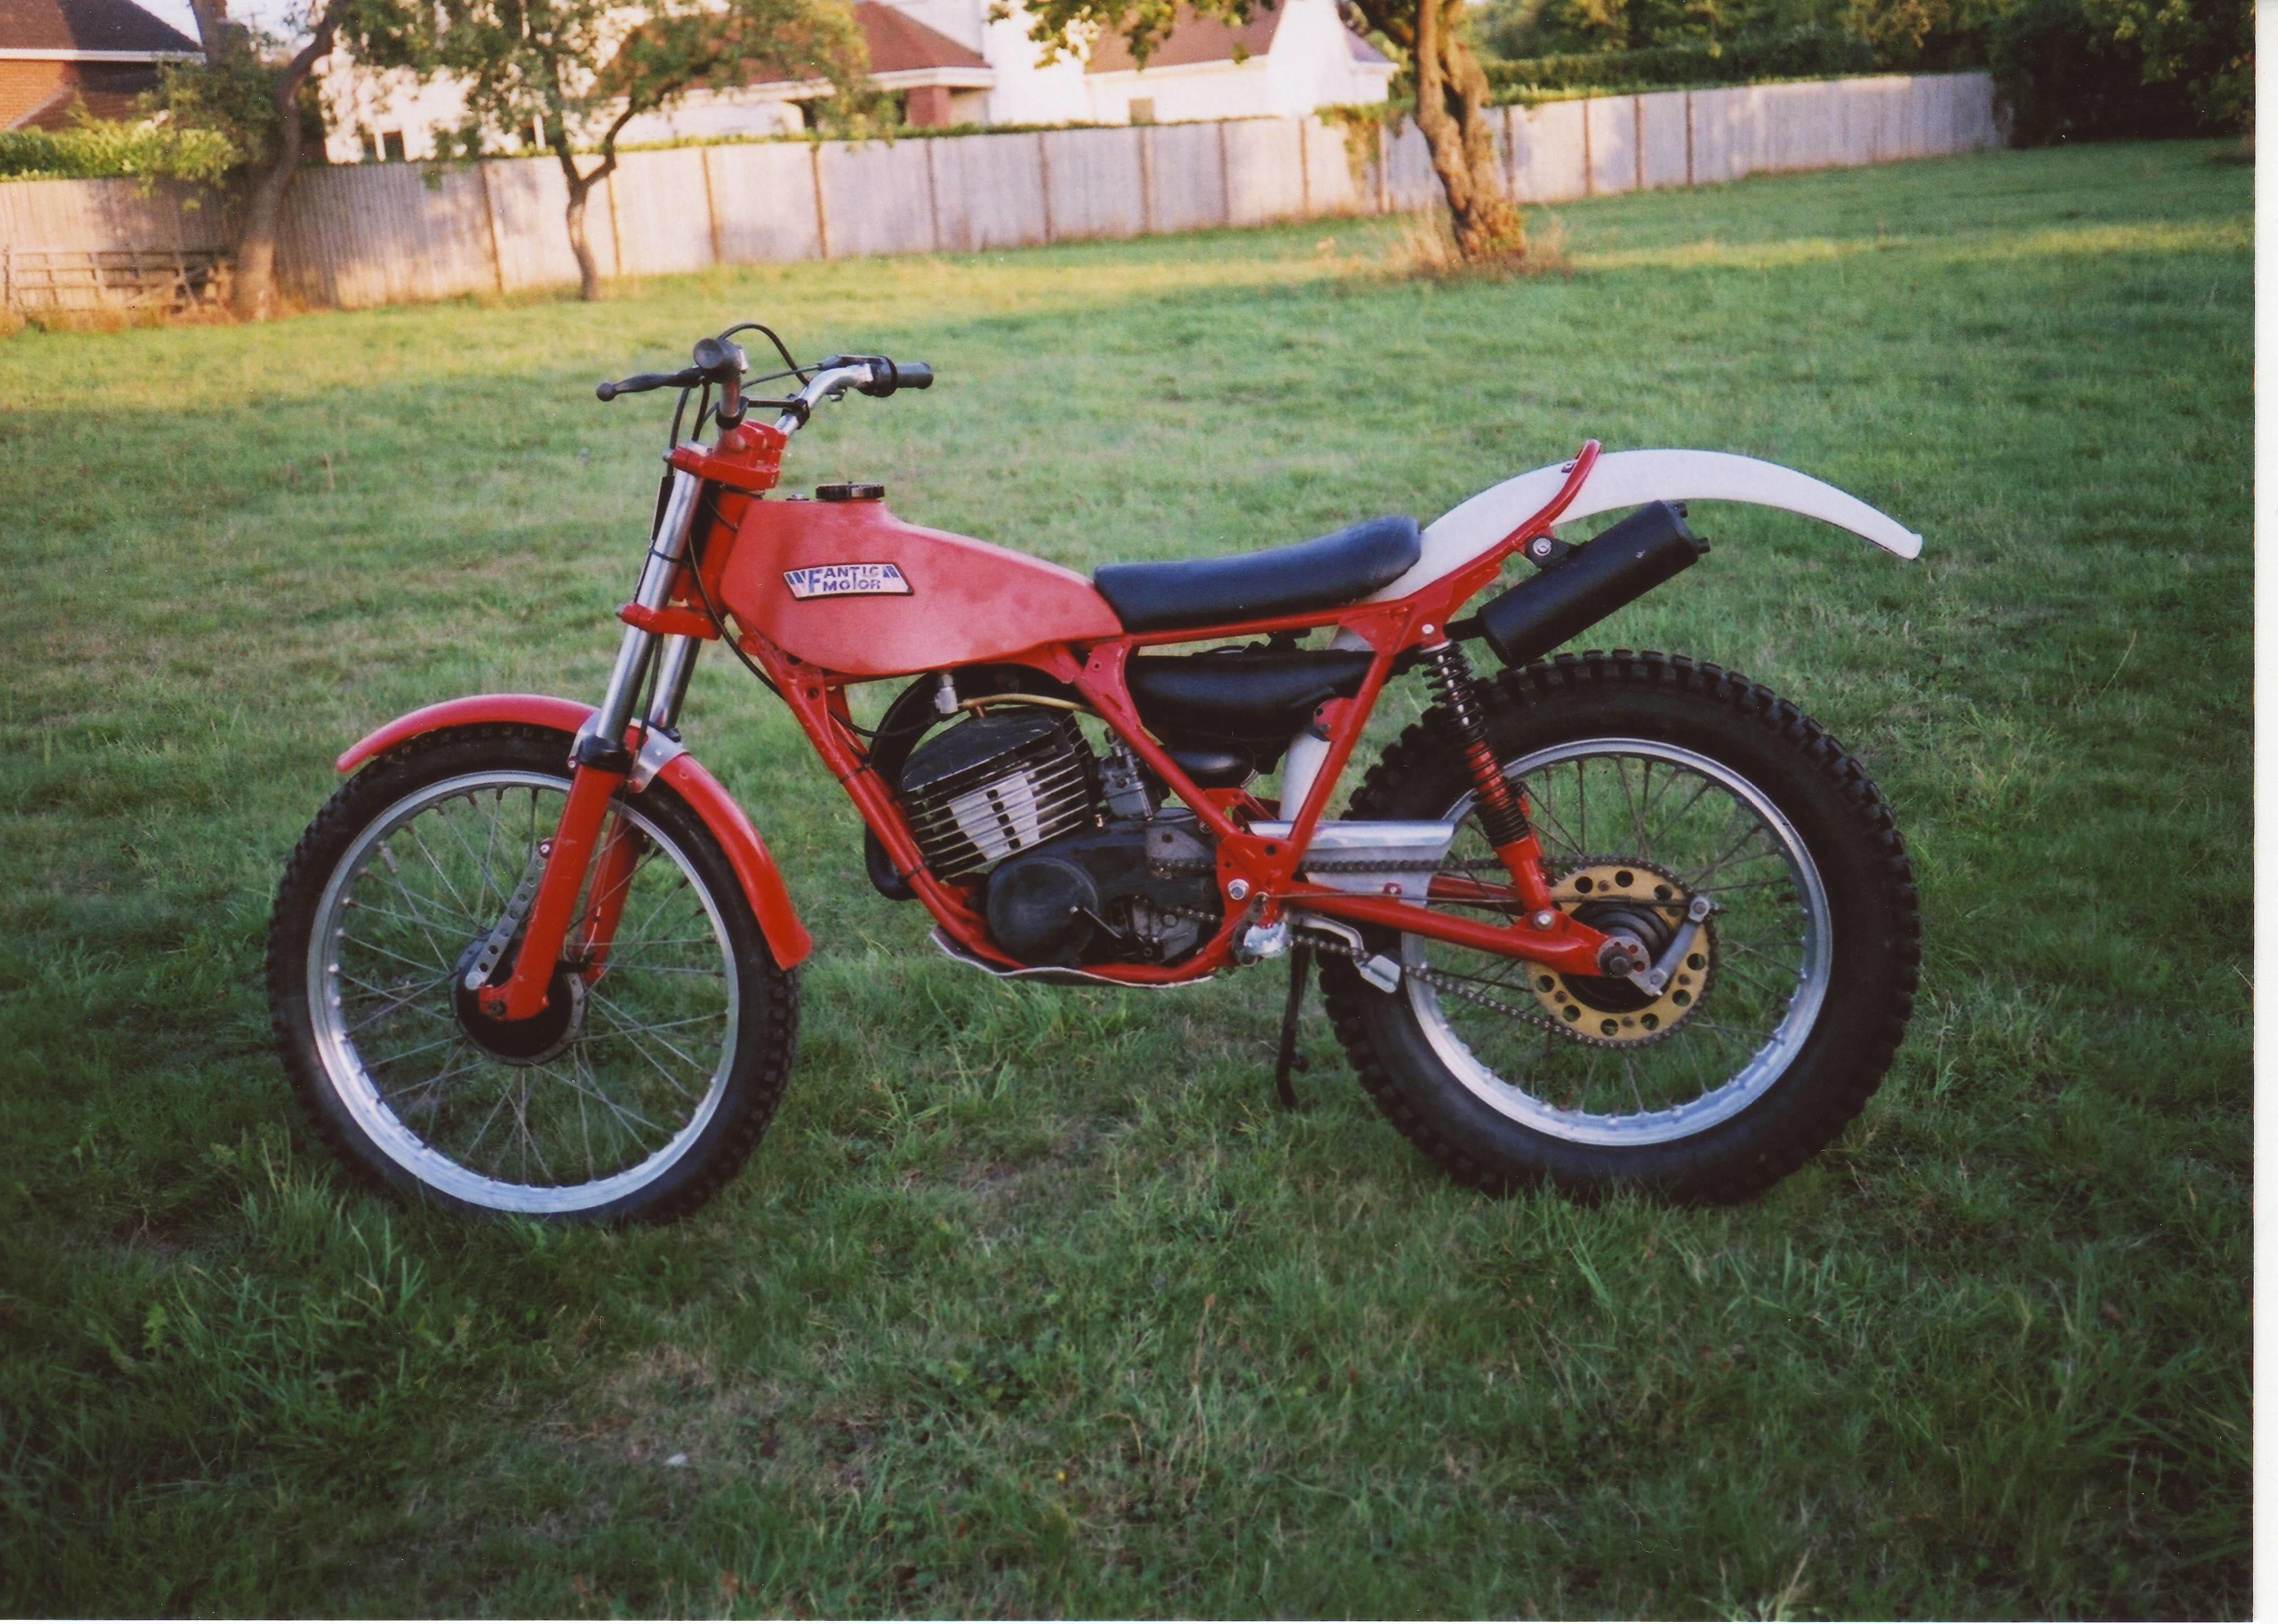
[(1618, 919)]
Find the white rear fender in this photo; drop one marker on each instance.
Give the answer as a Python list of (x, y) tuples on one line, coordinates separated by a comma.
[(1619, 479), (1630, 479)]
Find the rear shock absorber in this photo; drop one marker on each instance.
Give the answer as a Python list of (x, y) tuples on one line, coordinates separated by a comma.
[(1502, 818)]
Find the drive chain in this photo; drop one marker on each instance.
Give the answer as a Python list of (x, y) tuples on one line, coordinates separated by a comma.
[(1452, 986)]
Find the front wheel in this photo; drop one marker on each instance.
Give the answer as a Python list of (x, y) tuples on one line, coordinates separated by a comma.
[(1727, 831), (638, 1090)]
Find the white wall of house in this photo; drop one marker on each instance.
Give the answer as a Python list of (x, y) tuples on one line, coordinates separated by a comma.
[(1028, 91), (1310, 66), (717, 115), (362, 105)]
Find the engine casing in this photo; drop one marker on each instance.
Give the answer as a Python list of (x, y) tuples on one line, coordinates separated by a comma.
[(1134, 890)]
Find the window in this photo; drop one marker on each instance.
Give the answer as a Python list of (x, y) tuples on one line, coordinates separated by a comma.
[(391, 147), (1142, 110), (371, 147)]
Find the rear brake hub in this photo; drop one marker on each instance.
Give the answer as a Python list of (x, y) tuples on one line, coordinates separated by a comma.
[(1621, 896)]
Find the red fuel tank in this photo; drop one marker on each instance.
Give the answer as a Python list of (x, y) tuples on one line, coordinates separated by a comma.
[(849, 587)]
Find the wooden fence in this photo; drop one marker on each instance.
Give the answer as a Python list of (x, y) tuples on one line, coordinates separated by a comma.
[(384, 233)]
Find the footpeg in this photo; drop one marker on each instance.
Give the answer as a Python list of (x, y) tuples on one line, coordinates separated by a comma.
[(1378, 970), (1261, 941)]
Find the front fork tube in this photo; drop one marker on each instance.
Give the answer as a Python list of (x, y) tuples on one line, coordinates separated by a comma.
[(601, 763), (575, 838), (569, 854), (621, 847)]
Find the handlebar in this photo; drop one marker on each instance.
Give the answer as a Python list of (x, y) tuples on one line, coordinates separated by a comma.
[(721, 362), (871, 375), (885, 374)]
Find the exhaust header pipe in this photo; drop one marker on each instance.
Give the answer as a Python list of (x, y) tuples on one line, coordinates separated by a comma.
[(1589, 584)]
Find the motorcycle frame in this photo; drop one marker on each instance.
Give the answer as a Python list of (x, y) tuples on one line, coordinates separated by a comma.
[(1258, 876)]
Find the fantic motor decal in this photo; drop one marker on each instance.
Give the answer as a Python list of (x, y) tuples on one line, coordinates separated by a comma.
[(846, 580)]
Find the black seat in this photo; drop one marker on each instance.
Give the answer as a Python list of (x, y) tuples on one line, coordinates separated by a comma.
[(1320, 573)]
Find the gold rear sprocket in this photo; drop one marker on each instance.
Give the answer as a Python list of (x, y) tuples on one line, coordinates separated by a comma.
[(1617, 1012)]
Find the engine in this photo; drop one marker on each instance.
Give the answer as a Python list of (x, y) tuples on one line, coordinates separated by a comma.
[(1080, 865), (997, 784)]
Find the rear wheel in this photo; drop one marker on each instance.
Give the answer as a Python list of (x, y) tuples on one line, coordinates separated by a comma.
[(639, 1089), (1732, 836)]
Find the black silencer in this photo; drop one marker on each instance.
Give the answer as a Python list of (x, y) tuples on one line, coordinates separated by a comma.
[(1591, 583)]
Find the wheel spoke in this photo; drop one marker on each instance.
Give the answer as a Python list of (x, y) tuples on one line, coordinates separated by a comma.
[(429, 1084), (1678, 816), (483, 885), (624, 1114), (1546, 815), (373, 947), (396, 1006)]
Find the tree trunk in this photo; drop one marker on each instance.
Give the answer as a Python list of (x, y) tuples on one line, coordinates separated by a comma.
[(581, 188), (213, 28), (1451, 110), (589, 271), (254, 296)]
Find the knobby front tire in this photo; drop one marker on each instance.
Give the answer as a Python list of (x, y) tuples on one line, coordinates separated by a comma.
[(1654, 779), (636, 1095)]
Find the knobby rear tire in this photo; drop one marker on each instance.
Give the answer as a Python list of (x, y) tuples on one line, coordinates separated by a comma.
[(764, 1022), (1702, 713)]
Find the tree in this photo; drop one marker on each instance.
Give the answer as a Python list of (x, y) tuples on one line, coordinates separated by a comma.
[(1452, 96), (577, 71), (261, 104), (2205, 46)]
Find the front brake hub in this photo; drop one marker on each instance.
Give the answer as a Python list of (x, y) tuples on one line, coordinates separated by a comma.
[(1624, 897), (530, 1042)]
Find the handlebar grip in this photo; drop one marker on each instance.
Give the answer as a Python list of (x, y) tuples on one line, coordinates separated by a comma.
[(888, 375), (720, 358), (640, 383)]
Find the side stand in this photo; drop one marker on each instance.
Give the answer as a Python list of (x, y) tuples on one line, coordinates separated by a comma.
[(1301, 963)]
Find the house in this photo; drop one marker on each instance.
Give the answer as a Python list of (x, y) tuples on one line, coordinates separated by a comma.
[(104, 52), (952, 63), (392, 116), (1289, 58), (1292, 57), (940, 81)]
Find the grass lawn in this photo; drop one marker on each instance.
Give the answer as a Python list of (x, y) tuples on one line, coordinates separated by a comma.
[(1031, 1302)]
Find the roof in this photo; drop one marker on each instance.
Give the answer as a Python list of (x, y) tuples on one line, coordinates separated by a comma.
[(71, 28), (1193, 39), (899, 44), (1364, 53)]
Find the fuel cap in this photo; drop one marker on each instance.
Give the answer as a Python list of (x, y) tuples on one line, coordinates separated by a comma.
[(850, 492)]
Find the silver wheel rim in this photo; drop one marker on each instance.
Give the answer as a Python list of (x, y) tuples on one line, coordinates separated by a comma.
[(1767, 872), (398, 977)]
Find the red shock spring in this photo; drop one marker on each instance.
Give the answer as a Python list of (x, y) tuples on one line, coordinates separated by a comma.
[(1502, 818)]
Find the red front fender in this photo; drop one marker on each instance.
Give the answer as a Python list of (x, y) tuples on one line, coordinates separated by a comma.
[(747, 853)]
